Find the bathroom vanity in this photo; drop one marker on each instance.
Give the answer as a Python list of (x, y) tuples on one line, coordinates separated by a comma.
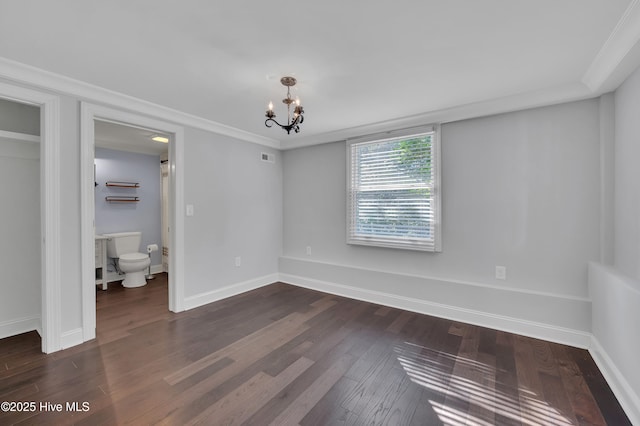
[(101, 261)]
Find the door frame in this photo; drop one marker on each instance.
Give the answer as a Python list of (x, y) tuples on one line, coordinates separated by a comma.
[(50, 311), (88, 114)]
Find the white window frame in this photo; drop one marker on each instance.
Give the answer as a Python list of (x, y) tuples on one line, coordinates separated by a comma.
[(430, 245)]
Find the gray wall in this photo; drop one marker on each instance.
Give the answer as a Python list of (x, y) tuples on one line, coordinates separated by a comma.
[(627, 177), (19, 118), (519, 190), (616, 290), (237, 203)]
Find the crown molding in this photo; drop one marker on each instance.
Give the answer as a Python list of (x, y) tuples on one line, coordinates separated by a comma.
[(521, 101), (619, 55), (42, 79)]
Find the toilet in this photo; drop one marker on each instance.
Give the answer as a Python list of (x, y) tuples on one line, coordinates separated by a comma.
[(124, 246)]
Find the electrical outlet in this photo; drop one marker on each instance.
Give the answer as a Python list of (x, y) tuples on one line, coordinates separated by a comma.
[(308, 250), (501, 272), (238, 261)]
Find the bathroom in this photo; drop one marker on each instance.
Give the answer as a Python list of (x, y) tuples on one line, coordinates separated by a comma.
[(129, 197)]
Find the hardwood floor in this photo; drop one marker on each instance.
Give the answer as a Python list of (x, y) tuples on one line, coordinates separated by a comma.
[(283, 355)]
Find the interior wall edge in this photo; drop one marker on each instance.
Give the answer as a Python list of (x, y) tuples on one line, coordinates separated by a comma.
[(615, 299), (627, 397)]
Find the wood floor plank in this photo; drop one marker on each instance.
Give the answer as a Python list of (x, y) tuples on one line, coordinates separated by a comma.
[(328, 410), (558, 407), (606, 400), (242, 402), (484, 400), (299, 408), (287, 355), (463, 389), (352, 347), (269, 338), (528, 374), (402, 319), (584, 406)]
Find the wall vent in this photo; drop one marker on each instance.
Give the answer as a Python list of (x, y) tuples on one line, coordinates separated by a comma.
[(269, 158)]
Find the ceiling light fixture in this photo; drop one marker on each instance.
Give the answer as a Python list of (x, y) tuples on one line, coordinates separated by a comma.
[(293, 121), (160, 139)]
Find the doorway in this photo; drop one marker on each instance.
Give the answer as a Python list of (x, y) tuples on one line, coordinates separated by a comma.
[(50, 243), (131, 167), (90, 114), (20, 218)]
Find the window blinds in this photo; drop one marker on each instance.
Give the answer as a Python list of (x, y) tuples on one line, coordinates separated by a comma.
[(392, 194)]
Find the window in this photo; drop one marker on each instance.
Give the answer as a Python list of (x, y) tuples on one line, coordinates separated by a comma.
[(394, 193)]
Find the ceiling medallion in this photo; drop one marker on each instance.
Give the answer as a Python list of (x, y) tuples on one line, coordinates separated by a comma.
[(293, 120)]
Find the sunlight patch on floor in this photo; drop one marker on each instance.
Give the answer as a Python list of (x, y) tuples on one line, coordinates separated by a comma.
[(433, 370)]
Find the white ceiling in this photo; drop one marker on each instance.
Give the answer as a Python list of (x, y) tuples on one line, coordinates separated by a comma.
[(128, 138), (361, 65)]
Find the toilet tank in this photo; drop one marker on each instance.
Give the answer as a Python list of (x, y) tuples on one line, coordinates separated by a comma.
[(121, 243)]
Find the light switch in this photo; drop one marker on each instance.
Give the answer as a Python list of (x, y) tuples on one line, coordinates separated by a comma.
[(189, 209)]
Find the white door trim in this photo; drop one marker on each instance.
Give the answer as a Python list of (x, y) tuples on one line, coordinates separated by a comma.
[(90, 112), (49, 104)]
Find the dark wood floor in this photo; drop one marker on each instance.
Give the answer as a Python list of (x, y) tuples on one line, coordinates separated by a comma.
[(284, 355)]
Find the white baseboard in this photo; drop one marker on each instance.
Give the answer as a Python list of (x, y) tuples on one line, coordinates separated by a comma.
[(627, 397), (533, 329), (228, 291), (157, 269), (19, 325), (71, 338), (23, 325)]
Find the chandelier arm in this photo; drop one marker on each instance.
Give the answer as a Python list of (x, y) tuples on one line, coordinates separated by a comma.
[(266, 123), (294, 125)]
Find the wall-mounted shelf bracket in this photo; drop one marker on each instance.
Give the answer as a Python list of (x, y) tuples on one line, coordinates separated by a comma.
[(121, 199), (124, 184)]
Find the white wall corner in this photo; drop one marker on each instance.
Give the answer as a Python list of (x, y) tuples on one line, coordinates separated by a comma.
[(606, 106), (614, 343), (618, 56), (202, 299), (624, 392)]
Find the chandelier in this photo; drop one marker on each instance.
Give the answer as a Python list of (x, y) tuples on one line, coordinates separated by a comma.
[(293, 120)]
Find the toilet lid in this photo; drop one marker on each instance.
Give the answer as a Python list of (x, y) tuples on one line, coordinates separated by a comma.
[(133, 256)]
